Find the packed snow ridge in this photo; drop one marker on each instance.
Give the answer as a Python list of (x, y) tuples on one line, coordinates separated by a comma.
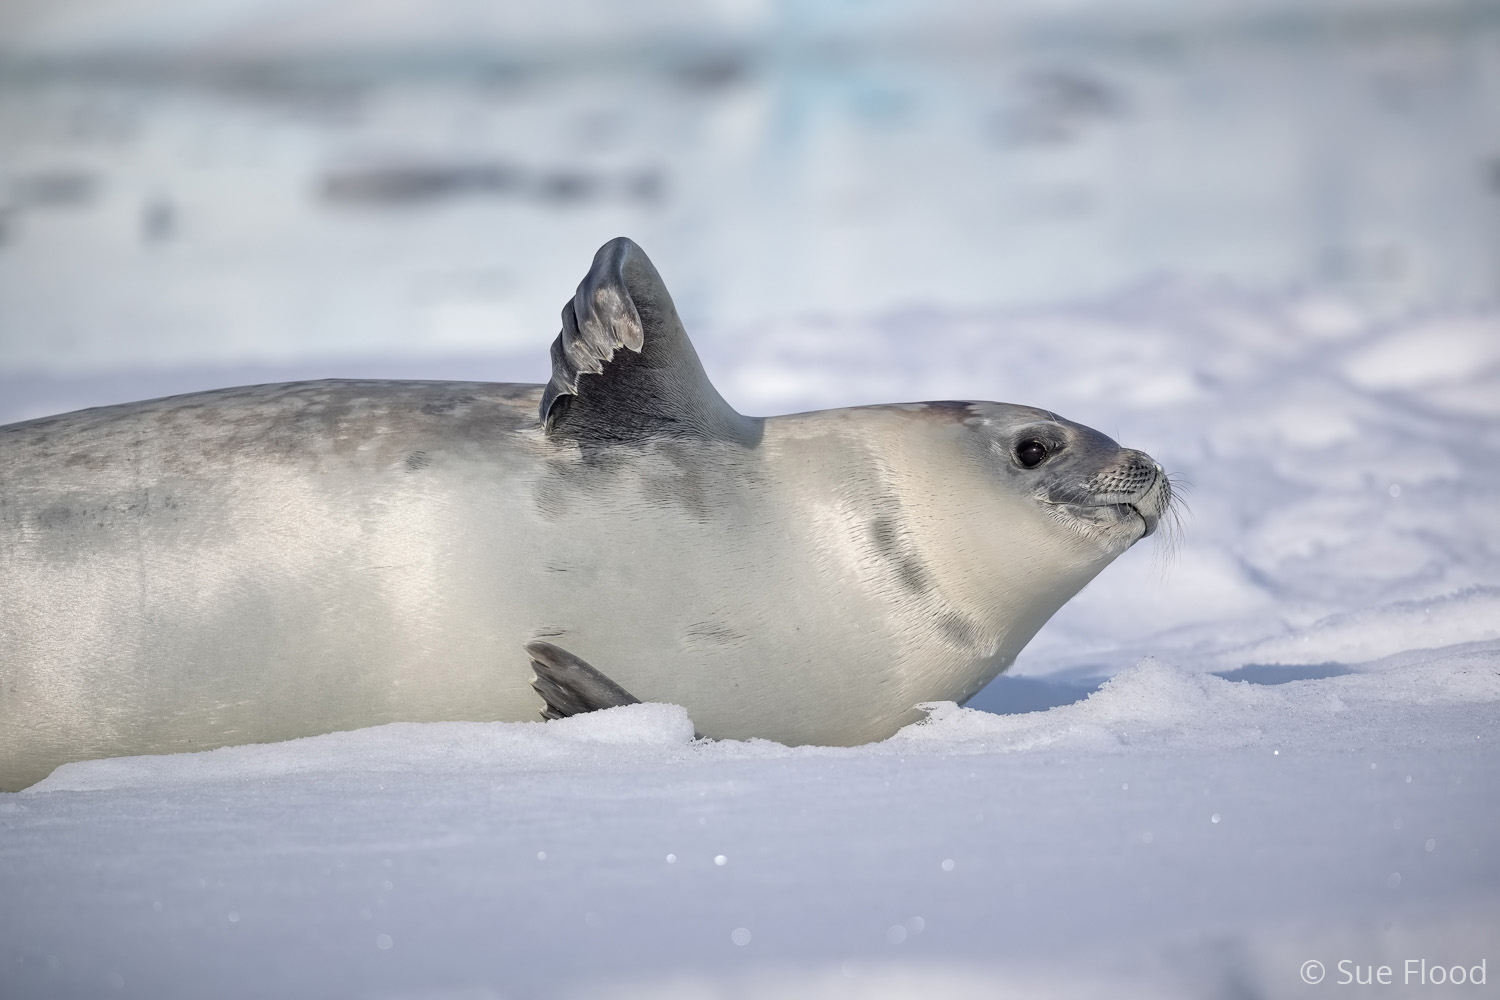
[(1150, 705)]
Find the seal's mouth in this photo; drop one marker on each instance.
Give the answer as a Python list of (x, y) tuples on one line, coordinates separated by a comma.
[(1113, 515), (1148, 517), (1133, 495)]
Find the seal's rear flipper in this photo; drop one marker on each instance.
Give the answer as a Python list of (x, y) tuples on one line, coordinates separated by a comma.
[(623, 369), (570, 686)]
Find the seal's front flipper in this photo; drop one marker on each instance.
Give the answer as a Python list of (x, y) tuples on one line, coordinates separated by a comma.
[(623, 369), (570, 686)]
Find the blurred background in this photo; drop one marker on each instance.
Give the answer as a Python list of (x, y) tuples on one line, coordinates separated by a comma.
[(195, 193)]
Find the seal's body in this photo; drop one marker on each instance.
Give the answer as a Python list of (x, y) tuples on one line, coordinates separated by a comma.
[(278, 561)]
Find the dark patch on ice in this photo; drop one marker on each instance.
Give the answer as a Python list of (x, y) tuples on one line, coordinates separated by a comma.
[(398, 184), (1007, 695), (54, 189), (415, 184), (1283, 673), (1056, 106), (158, 220), (711, 70)]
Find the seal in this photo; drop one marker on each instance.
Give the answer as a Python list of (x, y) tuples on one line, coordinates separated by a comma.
[(255, 564)]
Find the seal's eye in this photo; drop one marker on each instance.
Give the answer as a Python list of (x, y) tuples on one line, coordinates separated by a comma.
[(1030, 453)]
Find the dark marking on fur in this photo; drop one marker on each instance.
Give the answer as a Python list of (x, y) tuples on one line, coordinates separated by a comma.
[(56, 517), (913, 575), (954, 410), (712, 633), (551, 498), (311, 425), (961, 630), (445, 407), (895, 550)]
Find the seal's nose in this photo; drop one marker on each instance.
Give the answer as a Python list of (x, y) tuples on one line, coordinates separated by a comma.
[(1130, 477), (1142, 472), (1136, 481)]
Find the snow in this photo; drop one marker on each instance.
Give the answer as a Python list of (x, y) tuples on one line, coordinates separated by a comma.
[(1266, 737)]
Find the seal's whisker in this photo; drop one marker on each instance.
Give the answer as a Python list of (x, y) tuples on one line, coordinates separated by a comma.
[(1169, 531)]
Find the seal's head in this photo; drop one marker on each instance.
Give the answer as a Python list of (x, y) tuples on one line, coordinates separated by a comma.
[(1082, 479), (1007, 510), (1051, 482)]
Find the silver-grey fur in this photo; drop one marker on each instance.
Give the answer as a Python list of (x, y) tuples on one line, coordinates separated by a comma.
[(262, 563)]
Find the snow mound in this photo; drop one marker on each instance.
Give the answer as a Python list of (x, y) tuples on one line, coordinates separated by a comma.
[(629, 725), (1150, 705), (1150, 698), (1470, 615), (1154, 703), (585, 741)]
